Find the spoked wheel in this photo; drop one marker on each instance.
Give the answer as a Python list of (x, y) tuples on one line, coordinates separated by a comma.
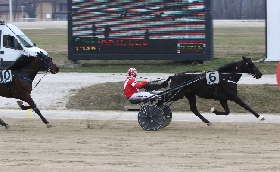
[(151, 117), (167, 115)]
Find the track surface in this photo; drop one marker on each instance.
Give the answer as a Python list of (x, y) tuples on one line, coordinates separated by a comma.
[(113, 140), (120, 145)]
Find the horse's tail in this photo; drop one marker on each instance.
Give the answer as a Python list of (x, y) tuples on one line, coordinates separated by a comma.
[(165, 83)]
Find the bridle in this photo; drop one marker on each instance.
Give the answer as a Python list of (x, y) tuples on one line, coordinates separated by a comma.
[(254, 68), (48, 68), (46, 65)]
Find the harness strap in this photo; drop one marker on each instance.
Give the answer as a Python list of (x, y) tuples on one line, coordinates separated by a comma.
[(216, 91), (178, 87), (25, 78), (30, 80), (8, 88), (231, 81)]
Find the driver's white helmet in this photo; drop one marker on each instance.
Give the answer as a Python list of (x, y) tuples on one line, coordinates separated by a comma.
[(132, 72)]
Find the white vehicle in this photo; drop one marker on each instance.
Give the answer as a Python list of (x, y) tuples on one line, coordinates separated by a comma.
[(13, 42)]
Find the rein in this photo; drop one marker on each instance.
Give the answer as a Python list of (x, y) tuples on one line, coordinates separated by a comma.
[(27, 79), (39, 80), (48, 69)]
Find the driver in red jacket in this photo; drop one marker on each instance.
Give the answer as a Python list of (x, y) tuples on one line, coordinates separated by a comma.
[(131, 86)]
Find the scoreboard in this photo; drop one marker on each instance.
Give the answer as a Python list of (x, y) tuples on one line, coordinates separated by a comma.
[(140, 30)]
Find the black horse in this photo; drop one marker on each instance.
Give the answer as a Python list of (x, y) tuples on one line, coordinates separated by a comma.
[(225, 89), (23, 72)]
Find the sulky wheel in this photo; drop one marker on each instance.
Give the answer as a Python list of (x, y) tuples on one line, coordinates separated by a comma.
[(150, 117), (167, 115)]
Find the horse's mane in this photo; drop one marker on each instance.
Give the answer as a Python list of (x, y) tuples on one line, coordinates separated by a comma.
[(21, 61), (227, 67)]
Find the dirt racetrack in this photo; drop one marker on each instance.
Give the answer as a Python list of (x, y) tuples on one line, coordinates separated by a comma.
[(123, 146), (100, 146)]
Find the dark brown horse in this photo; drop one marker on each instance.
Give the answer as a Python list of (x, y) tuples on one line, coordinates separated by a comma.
[(23, 73), (224, 90)]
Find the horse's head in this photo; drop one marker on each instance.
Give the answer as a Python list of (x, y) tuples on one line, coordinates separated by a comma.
[(247, 66), (47, 63), (244, 66)]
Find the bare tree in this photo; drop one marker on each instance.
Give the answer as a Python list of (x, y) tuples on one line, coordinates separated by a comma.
[(16, 7), (236, 9), (224, 9), (254, 9), (240, 9), (15, 4), (219, 8), (54, 3), (30, 8)]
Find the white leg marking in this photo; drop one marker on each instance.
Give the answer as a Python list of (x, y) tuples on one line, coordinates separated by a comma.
[(261, 117)]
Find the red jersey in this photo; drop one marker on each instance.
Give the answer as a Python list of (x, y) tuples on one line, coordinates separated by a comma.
[(131, 86)]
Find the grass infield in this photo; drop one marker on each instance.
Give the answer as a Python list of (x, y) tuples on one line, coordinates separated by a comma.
[(230, 43)]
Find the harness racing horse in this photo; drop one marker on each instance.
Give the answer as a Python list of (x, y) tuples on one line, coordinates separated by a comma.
[(23, 72), (224, 90)]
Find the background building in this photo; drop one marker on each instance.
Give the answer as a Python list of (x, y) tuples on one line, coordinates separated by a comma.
[(34, 10)]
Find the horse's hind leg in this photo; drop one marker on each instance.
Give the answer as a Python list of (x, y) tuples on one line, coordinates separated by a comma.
[(23, 107), (224, 105), (192, 102), (4, 124), (238, 101)]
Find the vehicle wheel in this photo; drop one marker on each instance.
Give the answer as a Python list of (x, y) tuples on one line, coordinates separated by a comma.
[(167, 115), (150, 117)]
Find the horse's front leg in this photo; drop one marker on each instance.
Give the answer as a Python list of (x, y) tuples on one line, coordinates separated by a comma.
[(238, 101), (192, 102), (36, 110), (224, 105), (32, 104), (4, 124)]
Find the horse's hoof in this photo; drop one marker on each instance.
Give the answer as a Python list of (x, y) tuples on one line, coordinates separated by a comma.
[(261, 118), (49, 126), (7, 126), (209, 124)]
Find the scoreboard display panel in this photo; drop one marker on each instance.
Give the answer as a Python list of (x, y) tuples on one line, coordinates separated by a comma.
[(140, 30)]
